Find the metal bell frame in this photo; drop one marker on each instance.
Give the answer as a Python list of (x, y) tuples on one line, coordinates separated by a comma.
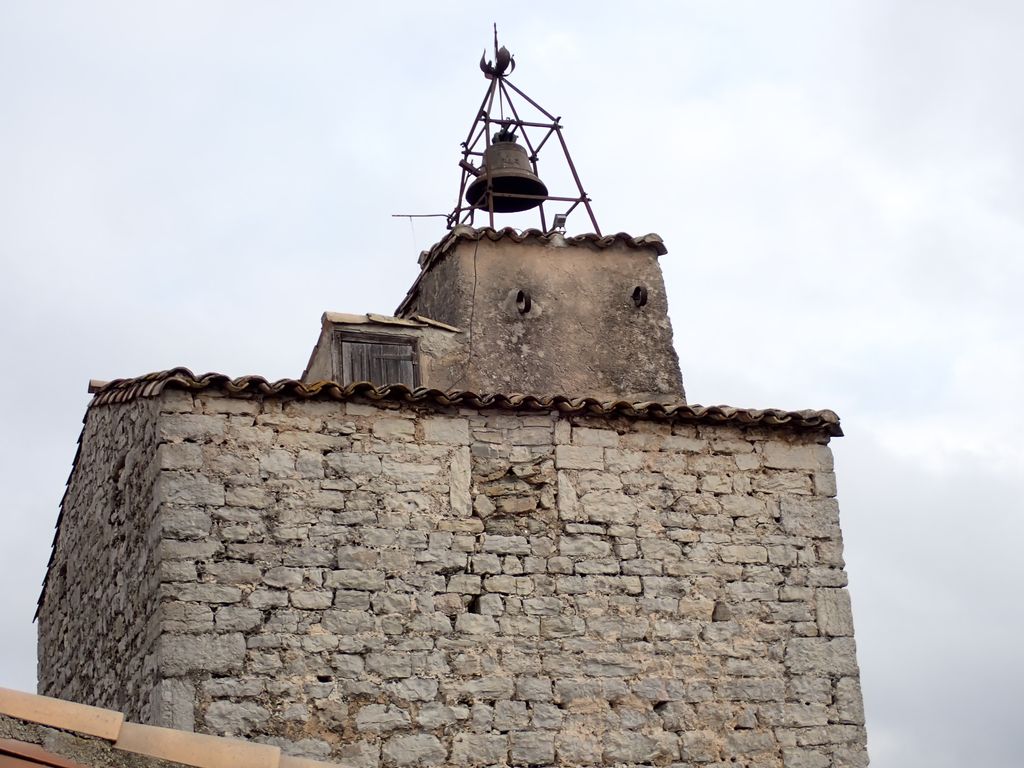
[(479, 138)]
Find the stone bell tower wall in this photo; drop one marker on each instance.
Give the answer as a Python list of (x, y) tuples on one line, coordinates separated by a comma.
[(398, 585), (581, 334)]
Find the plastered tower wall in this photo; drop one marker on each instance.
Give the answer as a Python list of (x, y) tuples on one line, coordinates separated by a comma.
[(401, 585), (582, 332)]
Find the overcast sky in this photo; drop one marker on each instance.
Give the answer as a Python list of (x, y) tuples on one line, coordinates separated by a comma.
[(839, 185)]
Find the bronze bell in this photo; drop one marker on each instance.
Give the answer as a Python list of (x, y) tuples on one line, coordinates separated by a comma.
[(508, 167)]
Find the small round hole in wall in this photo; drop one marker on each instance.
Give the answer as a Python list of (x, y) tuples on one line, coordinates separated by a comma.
[(523, 302), (640, 296)]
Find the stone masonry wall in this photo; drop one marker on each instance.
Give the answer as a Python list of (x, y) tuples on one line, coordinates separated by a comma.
[(383, 585), (101, 594)]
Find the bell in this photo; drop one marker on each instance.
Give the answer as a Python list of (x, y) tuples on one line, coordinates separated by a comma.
[(508, 167)]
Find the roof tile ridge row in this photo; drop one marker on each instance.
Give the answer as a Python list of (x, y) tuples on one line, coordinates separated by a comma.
[(152, 384), (183, 747)]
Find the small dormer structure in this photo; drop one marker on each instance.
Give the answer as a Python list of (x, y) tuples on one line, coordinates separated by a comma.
[(414, 351)]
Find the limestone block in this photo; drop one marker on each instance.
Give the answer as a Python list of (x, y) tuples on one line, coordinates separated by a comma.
[(608, 507), (414, 689), (753, 689), (824, 484), (359, 754), (414, 750), (460, 479), (584, 546), (605, 438), (833, 612), (849, 701), (446, 430), (700, 746), (252, 496), (185, 522), (826, 577), (233, 572), (634, 747), (531, 436), (683, 444), (380, 718), (277, 463), (190, 426), (308, 557), (408, 475), (750, 742), (735, 505), (805, 758), (228, 718), (782, 482), (830, 734), (488, 688), (578, 748), (189, 489), (435, 715), (347, 622), (180, 654), (747, 461), (205, 592), (532, 748), (355, 578), (388, 428), (172, 703), (180, 456), (744, 553), (579, 457), (347, 464), (510, 715), (476, 624), (507, 545), (815, 517), (783, 455), (530, 688), (313, 599), (282, 577), (390, 664), (465, 583), (472, 749), (824, 656), (188, 550)]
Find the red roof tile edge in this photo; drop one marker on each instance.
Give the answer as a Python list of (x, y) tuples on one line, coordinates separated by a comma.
[(152, 384), (462, 232)]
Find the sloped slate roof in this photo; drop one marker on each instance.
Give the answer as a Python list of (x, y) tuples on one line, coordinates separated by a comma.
[(152, 384)]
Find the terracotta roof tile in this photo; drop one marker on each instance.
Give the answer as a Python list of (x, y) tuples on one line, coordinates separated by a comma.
[(152, 384)]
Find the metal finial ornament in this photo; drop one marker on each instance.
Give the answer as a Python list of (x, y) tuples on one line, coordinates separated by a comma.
[(502, 60), (505, 180)]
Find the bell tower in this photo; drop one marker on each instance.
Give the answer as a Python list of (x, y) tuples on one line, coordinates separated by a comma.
[(537, 310)]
